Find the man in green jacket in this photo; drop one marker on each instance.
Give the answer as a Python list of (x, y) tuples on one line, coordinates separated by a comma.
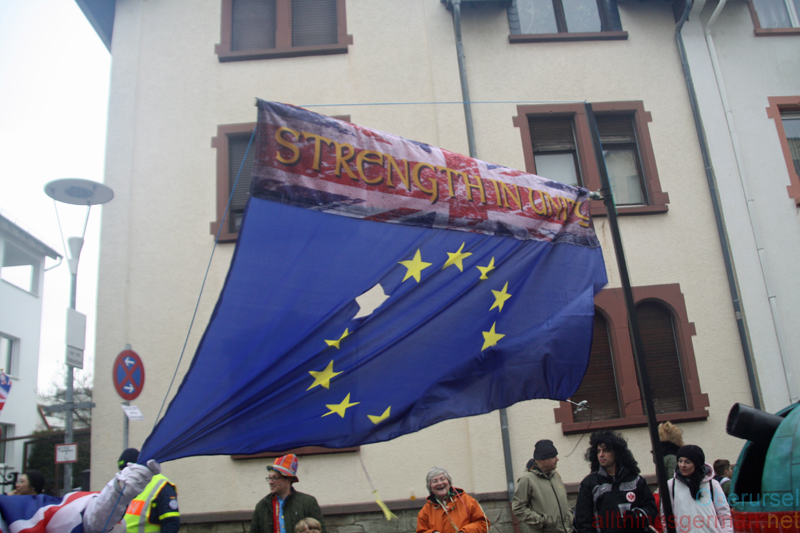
[(540, 501), (281, 509)]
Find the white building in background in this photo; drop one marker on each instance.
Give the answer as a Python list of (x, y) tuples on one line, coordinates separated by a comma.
[(745, 63), (21, 284)]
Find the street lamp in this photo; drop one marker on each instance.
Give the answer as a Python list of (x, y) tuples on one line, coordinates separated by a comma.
[(75, 191)]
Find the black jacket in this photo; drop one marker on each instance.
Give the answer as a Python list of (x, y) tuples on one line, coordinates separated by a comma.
[(608, 505)]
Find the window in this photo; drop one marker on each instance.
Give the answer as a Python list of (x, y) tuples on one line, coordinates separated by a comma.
[(785, 110), (8, 352), (610, 386), (775, 17), (6, 449), (20, 269), (264, 29), (564, 20), (558, 145), (231, 144)]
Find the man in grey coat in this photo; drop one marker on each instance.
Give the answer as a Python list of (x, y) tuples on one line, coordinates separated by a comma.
[(540, 501)]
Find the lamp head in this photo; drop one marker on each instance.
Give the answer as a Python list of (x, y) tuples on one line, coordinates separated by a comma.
[(78, 191)]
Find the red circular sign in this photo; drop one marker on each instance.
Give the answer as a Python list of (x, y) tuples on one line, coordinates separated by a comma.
[(128, 375)]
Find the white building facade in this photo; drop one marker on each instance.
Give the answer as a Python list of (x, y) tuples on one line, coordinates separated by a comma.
[(21, 283), (184, 75), (745, 62)]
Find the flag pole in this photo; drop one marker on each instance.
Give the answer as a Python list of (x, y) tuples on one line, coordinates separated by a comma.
[(633, 321)]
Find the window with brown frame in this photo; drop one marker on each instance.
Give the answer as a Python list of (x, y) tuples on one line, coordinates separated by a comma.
[(235, 173), (775, 17), (265, 29), (557, 144), (564, 20), (610, 387), (785, 111)]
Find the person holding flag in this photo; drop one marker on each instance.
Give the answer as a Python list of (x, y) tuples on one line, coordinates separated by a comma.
[(77, 512)]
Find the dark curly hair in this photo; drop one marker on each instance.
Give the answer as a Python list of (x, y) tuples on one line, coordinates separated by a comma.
[(614, 442)]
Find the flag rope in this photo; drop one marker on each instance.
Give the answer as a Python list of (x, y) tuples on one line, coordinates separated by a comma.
[(451, 102), (205, 276), (385, 508)]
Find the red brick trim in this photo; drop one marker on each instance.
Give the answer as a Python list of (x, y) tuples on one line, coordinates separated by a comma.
[(611, 303), (283, 37), (657, 200), (768, 32), (776, 105), (565, 36)]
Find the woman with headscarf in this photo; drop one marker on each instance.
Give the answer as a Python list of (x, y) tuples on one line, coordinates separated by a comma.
[(698, 502), (449, 509)]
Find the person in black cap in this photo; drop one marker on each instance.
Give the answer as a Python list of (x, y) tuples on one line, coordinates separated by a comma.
[(155, 510), (698, 501), (540, 501)]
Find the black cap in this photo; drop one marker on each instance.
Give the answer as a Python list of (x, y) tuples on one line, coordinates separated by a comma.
[(128, 456), (694, 454), (544, 449)]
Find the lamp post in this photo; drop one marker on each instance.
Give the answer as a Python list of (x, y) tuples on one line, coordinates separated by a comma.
[(87, 193)]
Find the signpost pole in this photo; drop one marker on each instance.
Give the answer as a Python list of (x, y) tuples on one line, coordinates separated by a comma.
[(125, 427)]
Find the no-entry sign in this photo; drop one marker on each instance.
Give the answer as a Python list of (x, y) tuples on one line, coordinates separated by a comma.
[(128, 375)]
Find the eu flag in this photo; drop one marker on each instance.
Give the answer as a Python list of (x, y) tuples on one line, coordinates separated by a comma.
[(380, 286)]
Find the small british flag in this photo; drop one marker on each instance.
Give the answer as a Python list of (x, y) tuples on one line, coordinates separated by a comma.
[(5, 387)]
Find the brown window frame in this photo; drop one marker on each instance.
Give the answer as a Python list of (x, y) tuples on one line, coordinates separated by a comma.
[(768, 32), (607, 32), (778, 105), (611, 304), (657, 200), (283, 36), (305, 450), (221, 143)]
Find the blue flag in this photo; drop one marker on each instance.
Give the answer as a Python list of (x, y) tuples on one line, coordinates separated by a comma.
[(380, 286)]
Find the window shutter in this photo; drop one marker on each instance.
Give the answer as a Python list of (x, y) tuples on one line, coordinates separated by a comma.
[(552, 134), (599, 385), (616, 128), (314, 22), (662, 358), (237, 146), (253, 25)]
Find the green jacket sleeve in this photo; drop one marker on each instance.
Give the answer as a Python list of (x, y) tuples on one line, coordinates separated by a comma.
[(521, 507)]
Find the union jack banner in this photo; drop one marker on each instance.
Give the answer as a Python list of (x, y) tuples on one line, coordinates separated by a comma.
[(5, 387), (44, 513)]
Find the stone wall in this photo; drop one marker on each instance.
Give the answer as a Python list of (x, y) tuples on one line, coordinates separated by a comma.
[(498, 512)]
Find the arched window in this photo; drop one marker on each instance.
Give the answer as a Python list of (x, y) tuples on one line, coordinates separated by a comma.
[(611, 385), (662, 357), (599, 385)]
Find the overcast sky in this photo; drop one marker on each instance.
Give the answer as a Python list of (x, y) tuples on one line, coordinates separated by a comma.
[(54, 74)]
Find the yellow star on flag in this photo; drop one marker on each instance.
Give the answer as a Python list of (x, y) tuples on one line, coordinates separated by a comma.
[(335, 343), (415, 267), (340, 408), (490, 338), (457, 258), (485, 270), (323, 378), (378, 419), (500, 297)]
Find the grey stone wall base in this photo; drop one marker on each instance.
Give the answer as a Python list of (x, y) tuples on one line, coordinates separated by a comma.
[(498, 512)]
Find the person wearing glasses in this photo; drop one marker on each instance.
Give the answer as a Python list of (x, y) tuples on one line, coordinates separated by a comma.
[(448, 509), (283, 508)]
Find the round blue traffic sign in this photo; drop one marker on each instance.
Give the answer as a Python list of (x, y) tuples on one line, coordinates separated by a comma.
[(128, 375)]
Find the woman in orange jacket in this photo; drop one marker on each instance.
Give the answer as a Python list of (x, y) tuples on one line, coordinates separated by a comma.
[(448, 509)]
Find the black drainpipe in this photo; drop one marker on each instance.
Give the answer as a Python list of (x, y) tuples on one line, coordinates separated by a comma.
[(462, 72)]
